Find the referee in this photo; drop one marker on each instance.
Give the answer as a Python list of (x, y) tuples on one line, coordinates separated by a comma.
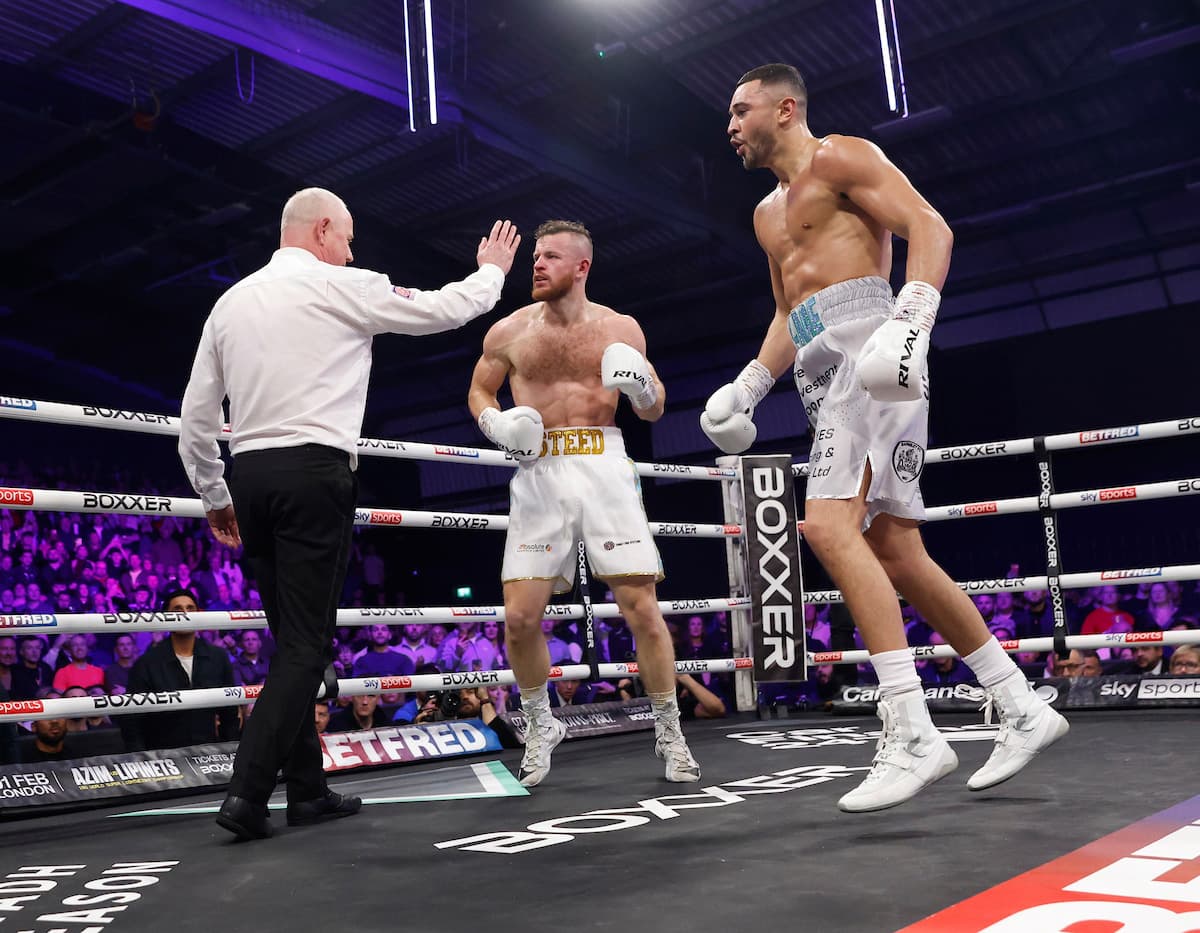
[(290, 346)]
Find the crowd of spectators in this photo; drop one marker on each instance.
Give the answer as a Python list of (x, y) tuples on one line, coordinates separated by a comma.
[(71, 563)]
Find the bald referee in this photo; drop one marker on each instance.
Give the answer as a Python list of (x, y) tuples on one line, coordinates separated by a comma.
[(290, 346)]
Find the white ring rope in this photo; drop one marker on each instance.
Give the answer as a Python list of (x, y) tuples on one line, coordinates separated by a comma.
[(149, 423), (41, 623), (1039, 644), (208, 697), (90, 502), (1154, 430), (25, 409)]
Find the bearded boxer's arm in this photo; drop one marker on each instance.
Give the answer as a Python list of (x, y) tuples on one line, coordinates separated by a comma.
[(200, 422), (517, 431)]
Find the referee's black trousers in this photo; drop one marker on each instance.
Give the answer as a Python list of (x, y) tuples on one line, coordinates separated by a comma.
[(295, 511)]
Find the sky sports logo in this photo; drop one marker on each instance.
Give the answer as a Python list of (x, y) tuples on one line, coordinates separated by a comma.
[(9, 496), (25, 404), (1169, 689)]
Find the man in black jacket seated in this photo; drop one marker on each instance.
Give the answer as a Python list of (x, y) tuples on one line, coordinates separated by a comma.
[(181, 662)]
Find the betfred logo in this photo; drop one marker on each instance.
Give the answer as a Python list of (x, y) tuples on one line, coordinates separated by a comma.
[(1127, 574), (824, 657), (40, 620), (1120, 492), (22, 707), (1108, 434), (732, 529), (456, 451), (16, 496), (395, 683), (385, 518), (473, 611), (245, 615), (980, 508), (1010, 644), (556, 672), (743, 664), (28, 404), (1131, 637)]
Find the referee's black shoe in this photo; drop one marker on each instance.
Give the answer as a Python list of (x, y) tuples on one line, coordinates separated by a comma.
[(330, 807), (245, 819)]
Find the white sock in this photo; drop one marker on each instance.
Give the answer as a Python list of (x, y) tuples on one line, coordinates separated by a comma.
[(991, 664), (896, 671), (535, 698)]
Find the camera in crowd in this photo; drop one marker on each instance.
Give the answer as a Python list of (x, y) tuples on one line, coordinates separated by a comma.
[(447, 703)]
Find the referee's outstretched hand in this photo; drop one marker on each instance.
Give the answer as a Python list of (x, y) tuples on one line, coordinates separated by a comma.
[(500, 246)]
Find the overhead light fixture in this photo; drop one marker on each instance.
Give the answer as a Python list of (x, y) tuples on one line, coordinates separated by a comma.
[(889, 49), (412, 117), (429, 62)]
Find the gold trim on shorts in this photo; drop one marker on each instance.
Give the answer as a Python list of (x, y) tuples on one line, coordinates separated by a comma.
[(658, 575)]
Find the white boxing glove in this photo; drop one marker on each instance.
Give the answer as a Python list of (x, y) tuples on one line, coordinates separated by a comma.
[(727, 418), (517, 431), (892, 364), (623, 367)]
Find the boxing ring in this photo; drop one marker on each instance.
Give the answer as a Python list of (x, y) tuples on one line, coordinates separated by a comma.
[(606, 841)]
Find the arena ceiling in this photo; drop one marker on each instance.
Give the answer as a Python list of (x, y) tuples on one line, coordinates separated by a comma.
[(149, 146)]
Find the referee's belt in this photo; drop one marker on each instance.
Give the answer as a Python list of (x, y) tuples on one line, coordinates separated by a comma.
[(571, 442)]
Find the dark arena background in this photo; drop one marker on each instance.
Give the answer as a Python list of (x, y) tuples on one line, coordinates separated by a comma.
[(148, 148)]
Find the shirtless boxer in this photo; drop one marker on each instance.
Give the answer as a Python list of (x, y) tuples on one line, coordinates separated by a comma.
[(567, 360), (859, 358)]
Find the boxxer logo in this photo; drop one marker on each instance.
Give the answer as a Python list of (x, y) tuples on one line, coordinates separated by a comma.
[(1047, 488), (774, 568)]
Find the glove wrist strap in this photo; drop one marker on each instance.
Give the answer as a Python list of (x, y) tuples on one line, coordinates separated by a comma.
[(756, 381), (487, 423), (918, 304)]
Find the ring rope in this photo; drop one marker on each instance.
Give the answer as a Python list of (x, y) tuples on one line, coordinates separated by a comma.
[(90, 502), (1130, 433), (208, 697), (26, 409), (150, 423), (1039, 644)]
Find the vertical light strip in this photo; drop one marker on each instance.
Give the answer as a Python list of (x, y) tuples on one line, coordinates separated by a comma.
[(899, 62), (887, 55), (429, 59), (412, 121)]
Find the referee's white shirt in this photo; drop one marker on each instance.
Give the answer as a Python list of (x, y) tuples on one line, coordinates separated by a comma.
[(290, 345)]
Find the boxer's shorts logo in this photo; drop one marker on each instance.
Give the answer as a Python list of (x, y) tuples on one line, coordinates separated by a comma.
[(908, 459)]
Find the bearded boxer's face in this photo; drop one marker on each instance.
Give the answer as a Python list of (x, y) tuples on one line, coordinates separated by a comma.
[(556, 260)]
